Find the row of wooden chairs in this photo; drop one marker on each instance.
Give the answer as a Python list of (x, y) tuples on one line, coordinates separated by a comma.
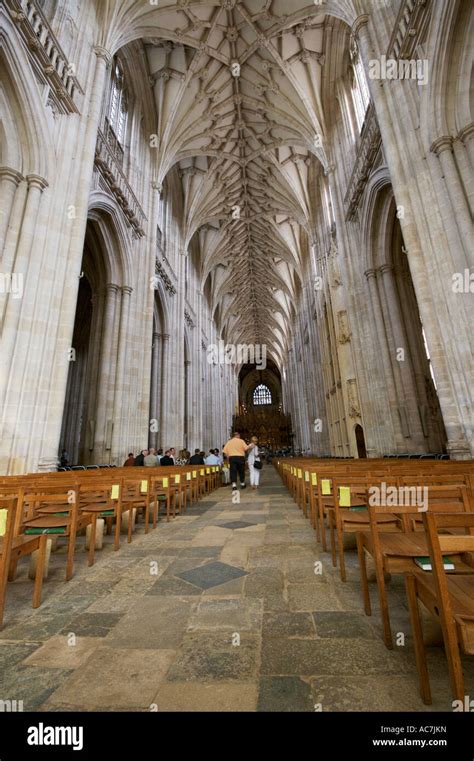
[(35, 507), (364, 499)]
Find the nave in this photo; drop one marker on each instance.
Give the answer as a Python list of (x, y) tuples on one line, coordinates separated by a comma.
[(169, 642)]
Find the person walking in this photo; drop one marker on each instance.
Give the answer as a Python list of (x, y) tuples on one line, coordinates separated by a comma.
[(235, 450), (254, 462)]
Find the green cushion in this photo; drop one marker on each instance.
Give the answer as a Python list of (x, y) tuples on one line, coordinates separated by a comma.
[(107, 513), (55, 530)]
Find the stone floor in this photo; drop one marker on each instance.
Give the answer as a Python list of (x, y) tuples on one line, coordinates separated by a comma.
[(220, 610)]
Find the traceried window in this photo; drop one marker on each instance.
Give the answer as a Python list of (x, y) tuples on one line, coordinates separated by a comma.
[(118, 103), (360, 88), (262, 395)]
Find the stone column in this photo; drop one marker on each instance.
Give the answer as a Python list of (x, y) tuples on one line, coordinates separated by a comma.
[(119, 414), (11, 241), (443, 149), (164, 409), (385, 359), (13, 343), (88, 433), (155, 388), (187, 429), (9, 181), (463, 162), (417, 351), (106, 368), (402, 368), (466, 134)]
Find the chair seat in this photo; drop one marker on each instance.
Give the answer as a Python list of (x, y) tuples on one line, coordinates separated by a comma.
[(19, 542), (47, 522), (362, 516), (98, 507), (461, 594), (55, 509), (399, 544)]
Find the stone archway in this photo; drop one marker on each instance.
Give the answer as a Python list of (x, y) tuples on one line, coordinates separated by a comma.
[(360, 441), (92, 419)]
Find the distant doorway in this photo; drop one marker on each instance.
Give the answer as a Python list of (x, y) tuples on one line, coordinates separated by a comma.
[(360, 441)]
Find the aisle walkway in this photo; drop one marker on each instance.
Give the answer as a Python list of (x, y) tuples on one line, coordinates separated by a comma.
[(220, 610)]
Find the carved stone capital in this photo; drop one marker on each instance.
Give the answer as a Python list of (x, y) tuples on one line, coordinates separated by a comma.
[(112, 288), (103, 53), (12, 175), (466, 133), (444, 143), (359, 23), (36, 181)]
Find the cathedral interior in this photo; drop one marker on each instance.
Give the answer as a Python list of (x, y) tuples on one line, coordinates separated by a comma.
[(220, 216)]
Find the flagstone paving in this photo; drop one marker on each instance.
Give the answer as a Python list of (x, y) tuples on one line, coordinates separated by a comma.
[(223, 609)]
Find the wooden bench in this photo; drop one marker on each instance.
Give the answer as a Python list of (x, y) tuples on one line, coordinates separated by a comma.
[(449, 597), (14, 545), (396, 551)]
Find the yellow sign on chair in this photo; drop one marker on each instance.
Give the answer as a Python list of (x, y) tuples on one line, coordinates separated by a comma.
[(3, 522), (306, 475), (345, 496), (201, 472), (188, 476), (144, 487), (177, 479), (325, 486), (195, 473), (314, 479), (300, 473), (208, 470), (115, 491), (165, 483)]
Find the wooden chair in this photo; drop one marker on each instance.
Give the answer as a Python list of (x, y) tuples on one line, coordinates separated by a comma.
[(395, 551), (449, 598), (160, 493), (13, 546), (51, 513), (135, 495), (347, 511)]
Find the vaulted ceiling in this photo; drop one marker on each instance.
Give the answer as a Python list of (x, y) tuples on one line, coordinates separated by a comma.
[(237, 85)]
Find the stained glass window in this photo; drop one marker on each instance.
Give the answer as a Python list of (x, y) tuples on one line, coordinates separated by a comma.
[(262, 395)]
